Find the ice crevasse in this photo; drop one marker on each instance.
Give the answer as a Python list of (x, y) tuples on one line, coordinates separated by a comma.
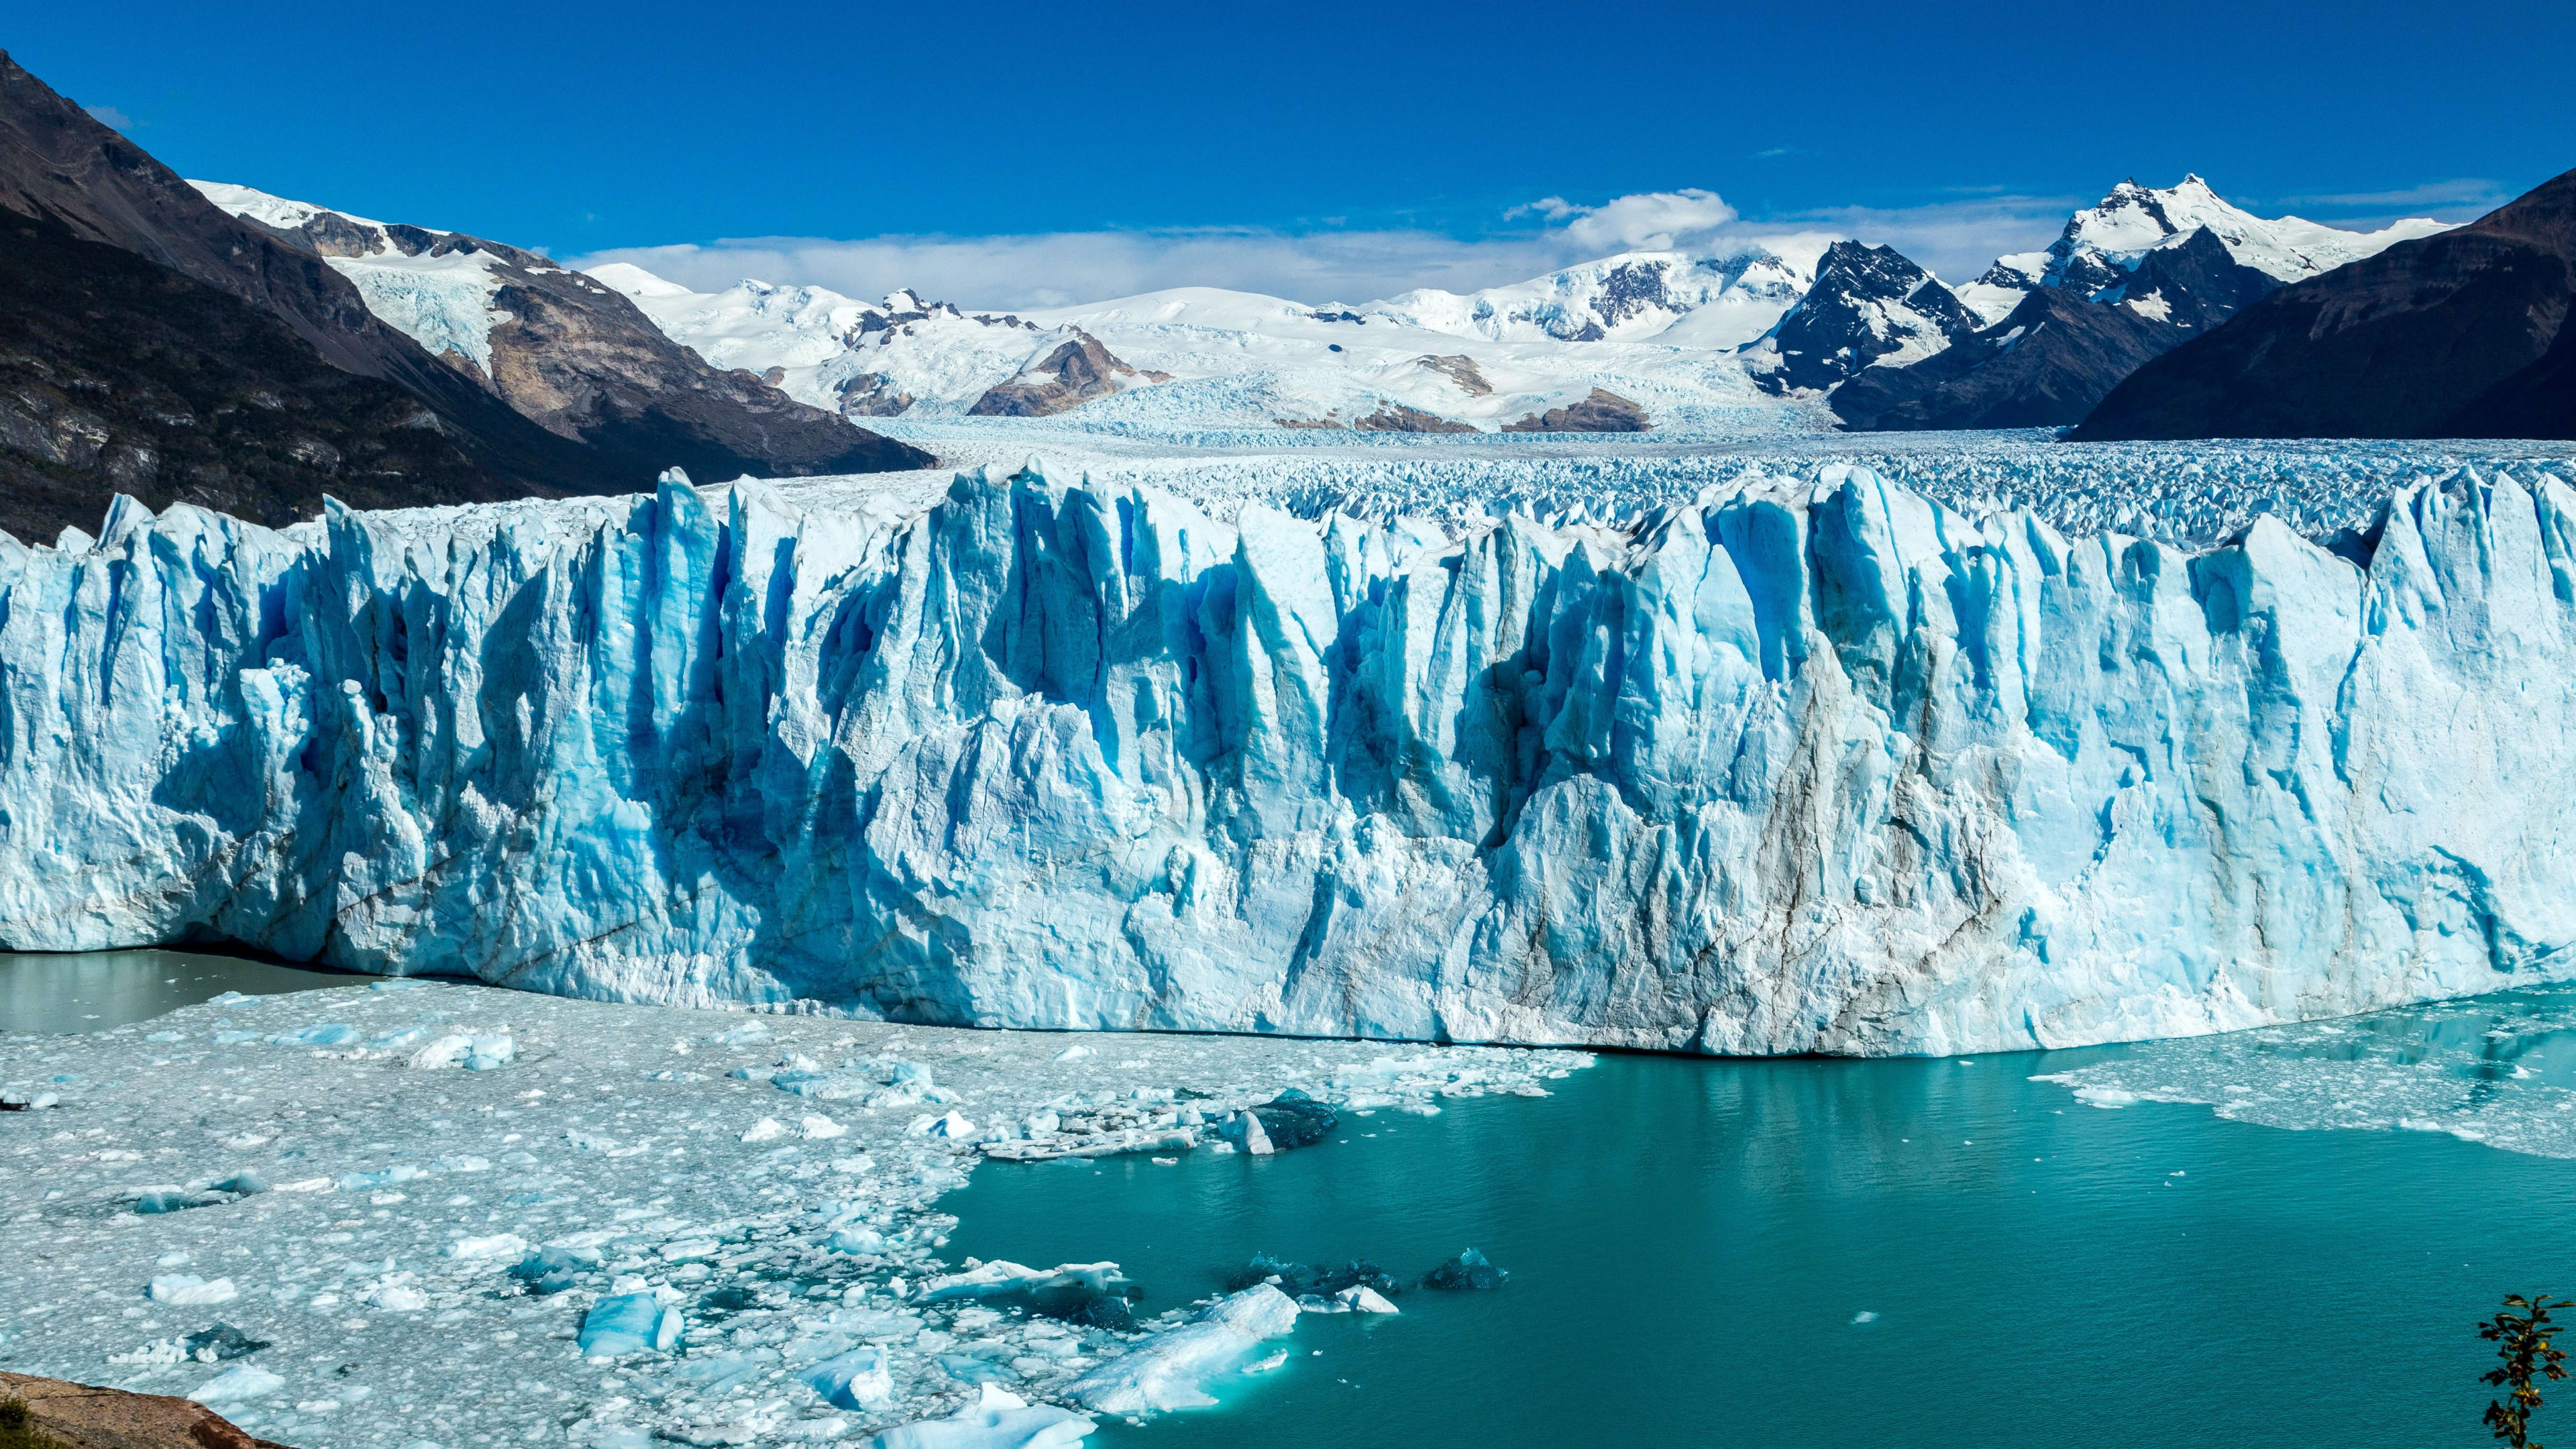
[(1809, 765)]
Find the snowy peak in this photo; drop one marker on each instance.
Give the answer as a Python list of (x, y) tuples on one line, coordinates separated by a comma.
[(1869, 306), (2107, 239), (1683, 298)]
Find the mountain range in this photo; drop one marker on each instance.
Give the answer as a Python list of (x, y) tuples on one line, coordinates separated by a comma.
[(153, 344), (2459, 335), (1800, 331), (214, 343)]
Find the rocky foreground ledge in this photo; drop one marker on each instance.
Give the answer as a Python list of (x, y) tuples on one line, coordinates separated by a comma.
[(86, 1416)]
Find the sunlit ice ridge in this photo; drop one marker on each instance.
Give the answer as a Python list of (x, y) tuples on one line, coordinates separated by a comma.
[(1805, 761)]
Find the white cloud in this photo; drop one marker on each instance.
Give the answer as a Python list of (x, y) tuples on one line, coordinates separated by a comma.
[(1650, 221), (2463, 191), (110, 116), (1955, 239)]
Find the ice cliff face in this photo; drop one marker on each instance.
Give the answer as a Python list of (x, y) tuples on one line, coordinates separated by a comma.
[(1803, 767)]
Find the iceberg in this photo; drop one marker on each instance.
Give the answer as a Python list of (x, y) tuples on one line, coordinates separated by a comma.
[(997, 1420), (1795, 764), (629, 1323), (1170, 1370)]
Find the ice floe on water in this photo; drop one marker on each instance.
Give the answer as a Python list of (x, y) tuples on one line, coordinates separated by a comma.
[(2497, 1069), (603, 1226)]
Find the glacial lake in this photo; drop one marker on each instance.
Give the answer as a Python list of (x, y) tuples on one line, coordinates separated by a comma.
[(1693, 1244), (1920, 1252)]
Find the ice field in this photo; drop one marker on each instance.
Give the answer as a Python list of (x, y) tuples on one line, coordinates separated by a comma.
[(460, 1215)]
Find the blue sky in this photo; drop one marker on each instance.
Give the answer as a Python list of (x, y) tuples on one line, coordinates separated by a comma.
[(1008, 153)]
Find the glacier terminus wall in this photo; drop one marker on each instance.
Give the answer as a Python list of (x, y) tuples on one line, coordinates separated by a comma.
[(1810, 765)]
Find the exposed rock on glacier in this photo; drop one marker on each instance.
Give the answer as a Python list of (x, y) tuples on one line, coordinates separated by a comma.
[(1795, 768)]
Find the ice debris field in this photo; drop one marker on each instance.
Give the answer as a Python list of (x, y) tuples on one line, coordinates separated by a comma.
[(437, 1214), (2500, 1070)]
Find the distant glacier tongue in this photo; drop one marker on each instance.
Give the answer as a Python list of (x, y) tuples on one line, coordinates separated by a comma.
[(1813, 766)]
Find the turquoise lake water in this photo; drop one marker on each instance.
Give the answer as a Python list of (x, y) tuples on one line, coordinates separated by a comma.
[(1692, 1244)]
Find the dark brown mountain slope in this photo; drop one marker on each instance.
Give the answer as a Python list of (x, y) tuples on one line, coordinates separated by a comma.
[(2458, 335)]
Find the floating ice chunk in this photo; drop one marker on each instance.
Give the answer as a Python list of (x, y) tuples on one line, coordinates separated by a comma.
[(237, 1385), (480, 1051), (326, 1035), (2109, 1098), (1170, 1369), (1864, 1316), (1073, 1053), (750, 1033), (953, 1125), (818, 1127), (462, 1162), (629, 1323), (396, 1293), (396, 1040), (1469, 1270), (231, 998), (166, 1036), (857, 1238), (764, 1130), (446, 1051), (689, 1250), (986, 1280), (176, 1259), (189, 1290), (860, 1163), (998, 1419), (1361, 1298), (243, 1184), (221, 1343), (382, 1177), (498, 1245), (717, 1373), (858, 1379), (1246, 1133), (153, 1200)]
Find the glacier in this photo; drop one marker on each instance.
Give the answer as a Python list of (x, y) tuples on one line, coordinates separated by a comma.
[(1797, 764)]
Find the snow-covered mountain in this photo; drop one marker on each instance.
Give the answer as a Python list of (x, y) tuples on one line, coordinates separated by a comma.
[(569, 353), (1680, 299), (2104, 242), (2127, 280), (1658, 332), (1748, 338)]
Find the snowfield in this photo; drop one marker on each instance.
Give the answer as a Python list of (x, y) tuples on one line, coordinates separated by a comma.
[(1804, 760), (589, 1243)]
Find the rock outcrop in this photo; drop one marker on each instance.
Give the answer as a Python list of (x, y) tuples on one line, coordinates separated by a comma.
[(84, 1416), (1066, 378), (1599, 412)]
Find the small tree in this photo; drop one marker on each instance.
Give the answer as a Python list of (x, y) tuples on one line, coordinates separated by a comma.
[(2522, 1341)]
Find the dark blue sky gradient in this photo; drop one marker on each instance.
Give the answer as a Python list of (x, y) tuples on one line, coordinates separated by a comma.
[(582, 126)]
